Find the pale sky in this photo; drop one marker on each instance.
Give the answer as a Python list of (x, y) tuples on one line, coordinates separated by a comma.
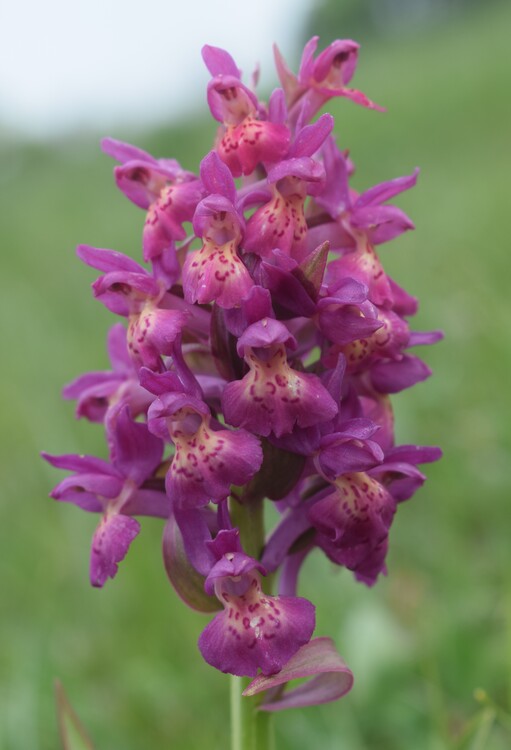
[(99, 63)]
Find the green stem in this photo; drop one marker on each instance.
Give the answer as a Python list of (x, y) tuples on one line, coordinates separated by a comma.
[(250, 729), (248, 517)]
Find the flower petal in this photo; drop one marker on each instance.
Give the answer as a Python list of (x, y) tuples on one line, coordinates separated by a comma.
[(110, 544), (331, 678)]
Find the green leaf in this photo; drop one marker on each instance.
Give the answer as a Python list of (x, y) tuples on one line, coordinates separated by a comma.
[(72, 734)]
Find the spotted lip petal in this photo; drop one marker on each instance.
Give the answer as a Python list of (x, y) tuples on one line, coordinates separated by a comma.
[(273, 397), (353, 524), (207, 460), (359, 511), (216, 273), (255, 631), (152, 334)]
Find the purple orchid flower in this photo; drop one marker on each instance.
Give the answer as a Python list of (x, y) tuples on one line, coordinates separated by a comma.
[(254, 367), (98, 392), (169, 193), (127, 289), (321, 79), (216, 271), (207, 459), (247, 137), (273, 397), (280, 222), (353, 520), (255, 630), (116, 490)]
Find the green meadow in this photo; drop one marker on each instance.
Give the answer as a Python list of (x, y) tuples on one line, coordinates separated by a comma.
[(430, 645)]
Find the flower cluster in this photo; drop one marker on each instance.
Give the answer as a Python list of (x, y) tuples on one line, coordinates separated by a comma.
[(263, 340)]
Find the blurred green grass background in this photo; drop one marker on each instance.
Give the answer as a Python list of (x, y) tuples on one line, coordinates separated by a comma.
[(439, 627)]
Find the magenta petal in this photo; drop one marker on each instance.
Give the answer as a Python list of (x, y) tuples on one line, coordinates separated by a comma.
[(267, 401), (335, 196), (385, 222), (147, 503), (99, 485), (265, 333), (386, 190), (219, 62), (80, 464), (331, 678), (277, 110), (414, 454), (403, 303), (312, 137), (393, 377), (337, 62), (208, 463), (257, 632), (110, 544), (424, 338), (216, 177), (117, 348), (123, 152), (107, 260), (153, 333), (135, 451), (344, 456)]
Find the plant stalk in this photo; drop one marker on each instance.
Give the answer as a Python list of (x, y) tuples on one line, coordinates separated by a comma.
[(250, 729)]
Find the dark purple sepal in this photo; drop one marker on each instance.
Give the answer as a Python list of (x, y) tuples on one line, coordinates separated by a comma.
[(425, 338), (108, 261), (80, 464), (228, 538), (223, 344), (135, 452), (381, 223), (414, 454), (335, 196), (110, 544), (265, 333), (148, 502), (393, 377), (318, 659), (384, 191), (351, 450), (403, 304), (255, 306), (197, 525), (159, 383), (286, 289), (345, 321), (81, 488), (217, 178), (311, 137)]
